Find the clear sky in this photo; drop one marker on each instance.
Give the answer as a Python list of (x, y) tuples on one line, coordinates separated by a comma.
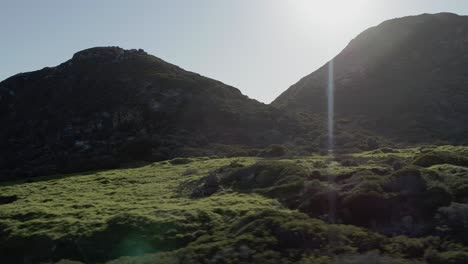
[(259, 46)]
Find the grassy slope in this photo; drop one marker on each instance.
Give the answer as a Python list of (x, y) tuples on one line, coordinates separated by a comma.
[(145, 209), (81, 205)]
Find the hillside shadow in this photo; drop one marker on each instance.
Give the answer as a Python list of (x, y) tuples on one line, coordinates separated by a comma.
[(129, 165)]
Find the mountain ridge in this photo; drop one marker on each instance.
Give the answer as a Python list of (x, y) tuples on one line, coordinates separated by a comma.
[(117, 105), (392, 74)]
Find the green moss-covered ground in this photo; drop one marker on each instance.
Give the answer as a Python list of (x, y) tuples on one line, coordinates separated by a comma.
[(388, 206)]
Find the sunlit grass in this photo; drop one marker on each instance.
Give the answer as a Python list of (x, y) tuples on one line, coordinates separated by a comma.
[(83, 203), (137, 207)]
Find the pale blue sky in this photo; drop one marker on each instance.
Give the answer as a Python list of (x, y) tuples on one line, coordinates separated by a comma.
[(259, 46)]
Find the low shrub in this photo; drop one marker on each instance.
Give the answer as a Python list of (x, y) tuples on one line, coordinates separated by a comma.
[(452, 257), (388, 150), (234, 150), (406, 181), (190, 171), (349, 163), (461, 192), (372, 143), (435, 196), (180, 161), (409, 247), (275, 151), (265, 174), (8, 199), (395, 162), (452, 221), (367, 207), (436, 158), (136, 150), (208, 186), (370, 257)]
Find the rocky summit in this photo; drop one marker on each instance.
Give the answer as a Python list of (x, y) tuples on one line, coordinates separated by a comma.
[(405, 79), (108, 106)]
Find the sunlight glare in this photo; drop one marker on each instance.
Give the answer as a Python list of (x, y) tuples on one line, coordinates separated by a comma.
[(330, 13)]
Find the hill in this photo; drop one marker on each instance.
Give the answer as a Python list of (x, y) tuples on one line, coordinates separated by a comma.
[(404, 80), (108, 106)]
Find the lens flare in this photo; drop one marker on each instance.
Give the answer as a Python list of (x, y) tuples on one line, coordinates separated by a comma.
[(330, 121), (331, 104)]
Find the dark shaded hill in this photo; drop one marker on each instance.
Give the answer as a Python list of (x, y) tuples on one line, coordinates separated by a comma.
[(107, 106), (406, 79)]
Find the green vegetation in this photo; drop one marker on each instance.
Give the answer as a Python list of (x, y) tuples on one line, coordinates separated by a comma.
[(436, 158), (246, 210), (275, 151)]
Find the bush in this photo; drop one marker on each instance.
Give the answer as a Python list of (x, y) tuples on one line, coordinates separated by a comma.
[(8, 199), (274, 151), (461, 192), (349, 163), (265, 174), (453, 221), (406, 181), (368, 186), (180, 161), (136, 150), (452, 257), (290, 230), (209, 185), (436, 158), (369, 257), (388, 150), (372, 143), (190, 171), (436, 195), (366, 207), (410, 247), (235, 164), (395, 162), (234, 150)]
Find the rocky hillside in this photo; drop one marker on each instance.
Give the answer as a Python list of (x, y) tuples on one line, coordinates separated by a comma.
[(107, 106), (405, 79)]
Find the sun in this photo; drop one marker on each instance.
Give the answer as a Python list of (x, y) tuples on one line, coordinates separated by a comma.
[(330, 13)]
